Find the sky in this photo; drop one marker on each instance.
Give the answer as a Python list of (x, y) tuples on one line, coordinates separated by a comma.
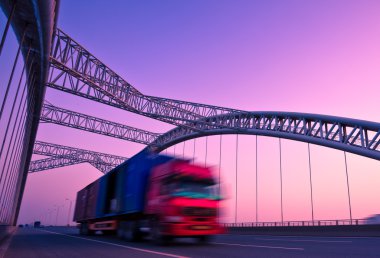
[(318, 57)]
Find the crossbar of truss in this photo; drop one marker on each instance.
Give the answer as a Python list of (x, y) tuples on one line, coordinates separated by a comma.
[(51, 163), (60, 116), (61, 151), (62, 161)]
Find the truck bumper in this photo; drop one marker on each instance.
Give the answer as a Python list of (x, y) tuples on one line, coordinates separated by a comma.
[(189, 230)]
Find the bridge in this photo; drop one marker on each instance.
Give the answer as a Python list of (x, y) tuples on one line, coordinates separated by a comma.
[(269, 163)]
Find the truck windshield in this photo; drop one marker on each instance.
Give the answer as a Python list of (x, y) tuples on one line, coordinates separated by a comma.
[(194, 189)]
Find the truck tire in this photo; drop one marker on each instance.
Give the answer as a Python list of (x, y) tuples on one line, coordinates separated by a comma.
[(129, 230), (120, 232), (84, 230), (108, 232), (156, 234), (204, 240)]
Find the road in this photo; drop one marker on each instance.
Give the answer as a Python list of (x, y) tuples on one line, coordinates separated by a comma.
[(66, 242)]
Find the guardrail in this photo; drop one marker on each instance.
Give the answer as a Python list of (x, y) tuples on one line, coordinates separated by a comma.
[(340, 222)]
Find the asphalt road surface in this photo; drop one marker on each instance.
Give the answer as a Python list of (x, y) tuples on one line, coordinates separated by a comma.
[(66, 242)]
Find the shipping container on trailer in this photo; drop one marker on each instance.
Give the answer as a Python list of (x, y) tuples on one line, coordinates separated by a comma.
[(121, 200), (87, 199)]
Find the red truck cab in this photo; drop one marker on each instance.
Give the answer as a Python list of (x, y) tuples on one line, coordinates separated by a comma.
[(183, 200)]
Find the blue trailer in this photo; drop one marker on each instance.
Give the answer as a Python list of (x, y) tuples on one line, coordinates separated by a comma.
[(119, 194)]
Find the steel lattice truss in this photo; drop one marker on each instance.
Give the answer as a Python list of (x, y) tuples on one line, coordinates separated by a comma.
[(355, 136), (103, 162), (75, 70), (63, 161), (50, 163), (56, 115)]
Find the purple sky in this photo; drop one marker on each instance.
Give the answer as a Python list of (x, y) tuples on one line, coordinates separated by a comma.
[(302, 56)]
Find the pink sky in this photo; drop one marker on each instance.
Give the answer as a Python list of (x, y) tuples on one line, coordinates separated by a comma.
[(303, 56)]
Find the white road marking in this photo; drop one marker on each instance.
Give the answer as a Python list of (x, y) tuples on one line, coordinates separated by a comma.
[(261, 246), (123, 246), (323, 237), (302, 240)]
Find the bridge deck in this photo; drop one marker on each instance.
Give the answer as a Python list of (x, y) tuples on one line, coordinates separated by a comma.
[(63, 242)]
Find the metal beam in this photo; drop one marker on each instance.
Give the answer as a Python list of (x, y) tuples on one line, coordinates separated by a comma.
[(61, 151), (351, 135), (63, 161), (60, 116), (75, 70), (50, 163)]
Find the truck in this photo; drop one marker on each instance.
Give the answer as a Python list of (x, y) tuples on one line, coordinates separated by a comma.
[(154, 195)]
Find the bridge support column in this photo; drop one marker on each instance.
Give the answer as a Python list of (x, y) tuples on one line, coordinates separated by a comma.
[(5, 33), (220, 166), (12, 143), (11, 75), (206, 152), (194, 151), (282, 207), (311, 185), (183, 150), (348, 188), (257, 203), (236, 178), (11, 171)]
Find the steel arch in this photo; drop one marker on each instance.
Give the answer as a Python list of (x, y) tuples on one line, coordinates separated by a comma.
[(345, 134)]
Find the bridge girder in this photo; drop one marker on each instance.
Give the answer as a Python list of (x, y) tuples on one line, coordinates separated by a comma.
[(63, 161), (103, 162), (75, 70), (60, 116), (51, 163), (351, 135)]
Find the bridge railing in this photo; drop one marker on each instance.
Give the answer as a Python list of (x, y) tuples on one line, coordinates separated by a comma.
[(305, 223)]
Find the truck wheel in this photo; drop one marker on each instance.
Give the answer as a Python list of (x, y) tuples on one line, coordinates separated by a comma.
[(108, 232), (84, 230), (204, 239), (156, 234), (120, 232), (129, 230)]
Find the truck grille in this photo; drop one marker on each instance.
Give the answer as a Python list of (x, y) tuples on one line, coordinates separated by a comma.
[(199, 212)]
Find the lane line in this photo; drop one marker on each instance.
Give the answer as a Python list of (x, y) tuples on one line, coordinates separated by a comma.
[(303, 240), (123, 246), (261, 246), (330, 237)]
